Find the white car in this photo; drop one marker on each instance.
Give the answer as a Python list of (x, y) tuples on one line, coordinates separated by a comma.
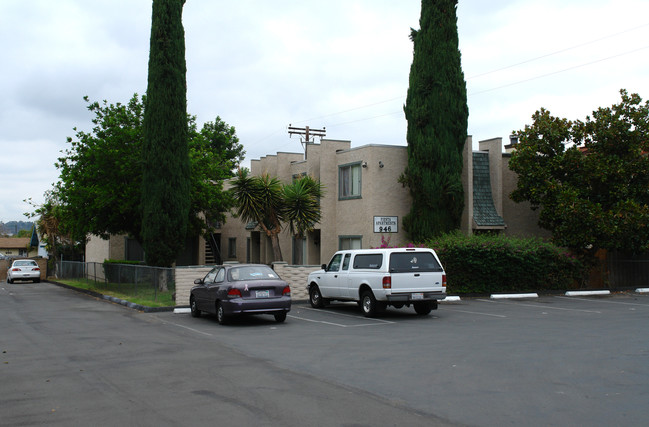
[(24, 269), (376, 278)]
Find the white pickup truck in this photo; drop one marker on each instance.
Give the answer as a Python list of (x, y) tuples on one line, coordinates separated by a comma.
[(376, 278)]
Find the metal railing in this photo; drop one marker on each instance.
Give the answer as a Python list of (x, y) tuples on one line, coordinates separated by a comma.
[(138, 281), (627, 272)]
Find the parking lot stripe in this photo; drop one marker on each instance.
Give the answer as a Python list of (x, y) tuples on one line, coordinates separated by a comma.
[(345, 315), (187, 327), (384, 322), (475, 312), (604, 301), (542, 306)]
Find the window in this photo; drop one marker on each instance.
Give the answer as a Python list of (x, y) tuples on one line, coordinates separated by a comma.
[(334, 264), (232, 247), (299, 250), (346, 261), (414, 261), (373, 261), (349, 181), (211, 275), (349, 242)]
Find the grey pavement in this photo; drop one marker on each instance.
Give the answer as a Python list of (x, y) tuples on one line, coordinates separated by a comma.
[(555, 360)]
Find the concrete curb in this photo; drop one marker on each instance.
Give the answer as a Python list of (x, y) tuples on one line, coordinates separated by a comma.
[(115, 300), (451, 298), (642, 290), (586, 293), (514, 296)]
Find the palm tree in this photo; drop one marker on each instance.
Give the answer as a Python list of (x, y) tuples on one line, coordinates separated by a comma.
[(264, 200)]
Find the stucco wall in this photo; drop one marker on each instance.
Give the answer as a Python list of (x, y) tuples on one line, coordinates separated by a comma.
[(296, 276), (521, 220), (185, 277)]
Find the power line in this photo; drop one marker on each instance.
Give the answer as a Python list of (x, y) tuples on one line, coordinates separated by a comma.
[(558, 52), (559, 71), (486, 73)]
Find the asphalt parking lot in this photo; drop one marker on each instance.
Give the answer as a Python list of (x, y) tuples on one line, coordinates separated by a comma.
[(553, 360)]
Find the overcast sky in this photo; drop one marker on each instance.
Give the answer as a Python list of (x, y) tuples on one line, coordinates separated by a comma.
[(339, 64)]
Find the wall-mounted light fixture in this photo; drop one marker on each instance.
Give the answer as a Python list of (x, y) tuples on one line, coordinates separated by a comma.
[(381, 164), (364, 164)]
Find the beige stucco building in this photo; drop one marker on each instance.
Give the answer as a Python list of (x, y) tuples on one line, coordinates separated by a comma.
[(363, 205)]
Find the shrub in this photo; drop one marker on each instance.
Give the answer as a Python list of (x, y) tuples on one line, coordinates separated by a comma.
[(495, 263), (116, 274)]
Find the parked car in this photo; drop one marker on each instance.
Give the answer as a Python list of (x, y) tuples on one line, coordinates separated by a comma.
[(24, 269), (239, 289), (376, 278)]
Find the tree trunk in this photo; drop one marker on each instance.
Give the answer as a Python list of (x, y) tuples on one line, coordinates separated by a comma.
[(163, 282), (277, 251)]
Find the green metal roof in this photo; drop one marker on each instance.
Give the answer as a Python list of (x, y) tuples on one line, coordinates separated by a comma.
[(484, 211)]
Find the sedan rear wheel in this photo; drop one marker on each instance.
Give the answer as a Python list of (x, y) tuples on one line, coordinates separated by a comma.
[(194, 307), (280, 317), (220, 314)]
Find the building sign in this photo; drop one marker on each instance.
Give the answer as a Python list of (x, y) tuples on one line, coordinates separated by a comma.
[(386, 224)]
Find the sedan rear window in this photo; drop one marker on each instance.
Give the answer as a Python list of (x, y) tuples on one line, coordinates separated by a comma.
[(260, 272), (414, 261), (25, 263)]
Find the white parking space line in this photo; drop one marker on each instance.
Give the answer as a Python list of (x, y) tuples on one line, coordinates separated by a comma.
[(187, 327), (502, 316), (542, 306), (375, 322), (345, 315), (324, 322), (603, 301)]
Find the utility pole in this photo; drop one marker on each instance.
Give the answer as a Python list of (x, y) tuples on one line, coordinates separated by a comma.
[(309, 134)]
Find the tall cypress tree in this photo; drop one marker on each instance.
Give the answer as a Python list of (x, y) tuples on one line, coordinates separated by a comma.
[(437, 113), (166, 174)]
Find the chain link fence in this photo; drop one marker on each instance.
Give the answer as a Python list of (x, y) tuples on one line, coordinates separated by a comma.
[(136, 281)]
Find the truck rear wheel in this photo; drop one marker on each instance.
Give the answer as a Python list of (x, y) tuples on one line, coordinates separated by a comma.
[(368, 304), (423, 308)]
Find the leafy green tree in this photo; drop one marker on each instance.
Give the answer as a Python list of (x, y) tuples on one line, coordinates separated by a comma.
[(166, 182), (101, 173), (589, 179), (264, 200), (437, 113), (51, 225)]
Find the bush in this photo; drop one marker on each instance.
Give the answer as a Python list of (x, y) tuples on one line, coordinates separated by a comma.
[(116, 274), (494, 263)]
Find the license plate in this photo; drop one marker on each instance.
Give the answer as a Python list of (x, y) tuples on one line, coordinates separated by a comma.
[(262, 294), (418, 295)]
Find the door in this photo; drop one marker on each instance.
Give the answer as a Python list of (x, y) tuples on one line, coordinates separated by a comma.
[(330, 281)]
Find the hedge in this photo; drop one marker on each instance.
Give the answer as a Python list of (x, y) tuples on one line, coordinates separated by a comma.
[(480, 264)]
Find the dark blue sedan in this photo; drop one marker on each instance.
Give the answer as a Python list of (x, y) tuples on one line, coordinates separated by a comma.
[(231, 290)]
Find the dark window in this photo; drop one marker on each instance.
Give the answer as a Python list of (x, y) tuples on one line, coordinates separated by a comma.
[(349, 242), (232, 247), (371, 261), (346, 261), (334, 264), (413, 261), (349, 181)]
